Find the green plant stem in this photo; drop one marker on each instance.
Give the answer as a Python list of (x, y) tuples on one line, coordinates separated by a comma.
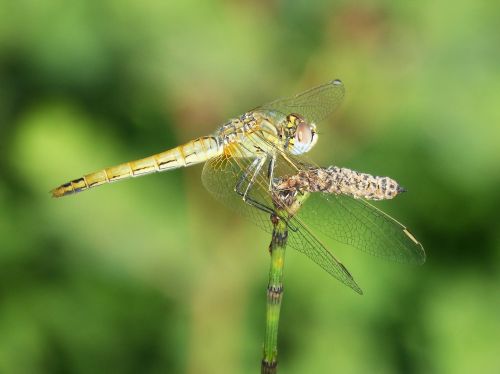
[(275, 286), (274, 294)]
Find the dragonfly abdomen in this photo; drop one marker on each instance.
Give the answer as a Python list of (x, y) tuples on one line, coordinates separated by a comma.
[(362, 185), (194, 152), (335, 180)]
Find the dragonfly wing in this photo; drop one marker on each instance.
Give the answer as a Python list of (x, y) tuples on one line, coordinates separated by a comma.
[(314, 104), (361, 225), (221, 175), (304, 241)]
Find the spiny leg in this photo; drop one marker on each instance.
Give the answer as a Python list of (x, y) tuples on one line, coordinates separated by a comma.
[(252, 170), (270, 172), (260, 162), (244, 177), (272, 190)]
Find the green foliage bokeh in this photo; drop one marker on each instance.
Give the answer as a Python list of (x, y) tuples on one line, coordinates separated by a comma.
[(152, 275)]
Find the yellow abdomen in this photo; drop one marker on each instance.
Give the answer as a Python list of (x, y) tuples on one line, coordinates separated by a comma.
[(194, 152)]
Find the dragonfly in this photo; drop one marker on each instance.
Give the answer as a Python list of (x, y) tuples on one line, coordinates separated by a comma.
[(245, 159)]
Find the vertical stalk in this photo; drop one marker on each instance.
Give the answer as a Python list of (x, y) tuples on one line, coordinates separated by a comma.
[(274, 294), (286, 204)]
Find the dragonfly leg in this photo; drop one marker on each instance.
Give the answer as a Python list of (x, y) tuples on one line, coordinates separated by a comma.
[(252, 170), (244, 177), (256, 204), (270, 172), (270, 175), (260, 162)]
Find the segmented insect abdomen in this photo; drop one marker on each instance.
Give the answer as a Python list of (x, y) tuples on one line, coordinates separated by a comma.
[(196, 151), (343, 181), (358, 185)]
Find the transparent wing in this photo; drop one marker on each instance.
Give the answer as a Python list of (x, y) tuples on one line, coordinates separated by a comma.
[(355, 222), (222, 174), (361, 225), (314, 104)]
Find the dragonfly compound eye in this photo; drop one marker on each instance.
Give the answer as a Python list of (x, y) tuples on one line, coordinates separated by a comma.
[(304, 134), (304, 137)]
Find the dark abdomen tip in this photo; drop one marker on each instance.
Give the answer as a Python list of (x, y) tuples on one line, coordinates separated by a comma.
[(63, 190), (69, 188)]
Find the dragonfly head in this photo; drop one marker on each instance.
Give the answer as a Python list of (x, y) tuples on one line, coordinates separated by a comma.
[(300, 135)]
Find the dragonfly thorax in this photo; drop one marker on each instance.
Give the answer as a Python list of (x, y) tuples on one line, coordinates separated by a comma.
[(236, 129), (248, 136)]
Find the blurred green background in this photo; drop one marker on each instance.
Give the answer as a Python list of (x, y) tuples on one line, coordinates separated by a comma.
[(153, 275)]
